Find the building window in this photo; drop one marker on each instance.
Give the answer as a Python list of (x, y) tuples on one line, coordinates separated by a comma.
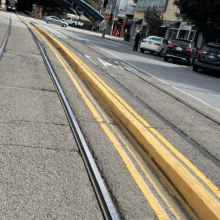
[(192, 35), (183, 34), (172, 34), (162, 32)]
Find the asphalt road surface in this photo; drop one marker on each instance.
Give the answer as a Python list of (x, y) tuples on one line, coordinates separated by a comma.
[(202, 85)]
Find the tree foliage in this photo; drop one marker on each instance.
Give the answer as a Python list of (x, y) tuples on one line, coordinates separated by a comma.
[(91, 3), (154, 20), (205, 14)]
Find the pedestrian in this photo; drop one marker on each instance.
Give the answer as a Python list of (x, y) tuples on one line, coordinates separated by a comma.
[(137, 39)]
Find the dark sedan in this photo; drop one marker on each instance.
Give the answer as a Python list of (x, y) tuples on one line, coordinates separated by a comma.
[(208, 58), (180, 49)]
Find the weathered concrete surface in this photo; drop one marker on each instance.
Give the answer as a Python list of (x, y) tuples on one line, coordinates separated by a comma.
[(42, 175)]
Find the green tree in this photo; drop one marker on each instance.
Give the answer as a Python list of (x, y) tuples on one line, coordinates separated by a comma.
[(91, 3), (205, 14), (154, 20)]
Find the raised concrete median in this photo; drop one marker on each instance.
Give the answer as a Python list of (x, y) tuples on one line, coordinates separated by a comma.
[(193, 196)]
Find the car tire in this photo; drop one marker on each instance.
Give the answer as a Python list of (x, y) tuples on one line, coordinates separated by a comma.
[(142, 50), (166, 59), (161, 52), (195, 68), (64, 25), (49, 22)]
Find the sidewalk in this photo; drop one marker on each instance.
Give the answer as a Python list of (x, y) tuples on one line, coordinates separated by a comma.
[(118, 39), (42, 173)]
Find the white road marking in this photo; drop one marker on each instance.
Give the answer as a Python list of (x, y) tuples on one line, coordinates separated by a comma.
[(158, 78), (105, 63), (90, 59), (128, 67)]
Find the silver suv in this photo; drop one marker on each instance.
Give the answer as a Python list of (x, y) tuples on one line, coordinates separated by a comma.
[(55, 20)]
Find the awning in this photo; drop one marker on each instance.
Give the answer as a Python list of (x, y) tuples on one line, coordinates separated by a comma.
[(171, 24)]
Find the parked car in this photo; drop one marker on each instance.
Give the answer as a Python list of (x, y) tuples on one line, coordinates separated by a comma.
[(181, 49), (154, 44), (208, 58), (73, 22), (11, 5), (55, 20)]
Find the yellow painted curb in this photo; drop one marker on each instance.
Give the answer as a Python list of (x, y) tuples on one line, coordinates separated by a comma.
[(201, 203)]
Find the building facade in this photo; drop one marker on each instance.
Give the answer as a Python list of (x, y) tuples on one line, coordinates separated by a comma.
[(171, 28)]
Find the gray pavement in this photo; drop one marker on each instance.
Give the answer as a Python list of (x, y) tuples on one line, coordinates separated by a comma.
[(42, 173)]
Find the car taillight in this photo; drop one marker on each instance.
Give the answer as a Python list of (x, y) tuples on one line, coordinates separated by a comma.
[(201, 52), (77, 23), (143, 41), (45, 17), (170, 46), (189, 50), (157, 44)]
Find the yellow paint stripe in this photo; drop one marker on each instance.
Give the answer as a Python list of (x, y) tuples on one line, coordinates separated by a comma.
[(157, 185), (177, 211), (162, 139), (161, 213), (203, 203)]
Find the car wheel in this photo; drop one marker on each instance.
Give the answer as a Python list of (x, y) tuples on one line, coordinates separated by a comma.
[(49, 22), (161, 52), (142, 50), (64, 25), (195, 68), (165, 58)]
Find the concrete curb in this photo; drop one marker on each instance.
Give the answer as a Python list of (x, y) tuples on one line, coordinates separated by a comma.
[(194, 197), (119, 41)]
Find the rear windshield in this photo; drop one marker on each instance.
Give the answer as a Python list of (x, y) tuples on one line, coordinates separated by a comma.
[(212, 49), (180, 43), (155, 38)]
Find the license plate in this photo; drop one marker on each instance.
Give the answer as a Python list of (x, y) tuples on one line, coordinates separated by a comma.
[(179, 48), (149, 42), (211, 57)]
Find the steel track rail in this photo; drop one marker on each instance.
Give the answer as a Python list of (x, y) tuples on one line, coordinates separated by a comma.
[(177, 130), (101, 192), (2, 48)]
